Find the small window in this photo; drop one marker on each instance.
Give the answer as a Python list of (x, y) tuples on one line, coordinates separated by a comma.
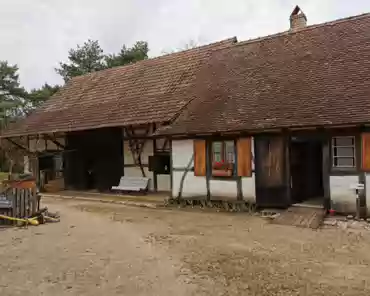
[(344, 152), (223, 158)]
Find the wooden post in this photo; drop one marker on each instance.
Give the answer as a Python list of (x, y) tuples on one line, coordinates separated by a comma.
[(239, 185), (35, 202), (287, 172), (326, 170), (171, 169), (155, 178), (208, 169)]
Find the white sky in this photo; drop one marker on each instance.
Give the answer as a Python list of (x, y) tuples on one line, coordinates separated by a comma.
[(37, 34)]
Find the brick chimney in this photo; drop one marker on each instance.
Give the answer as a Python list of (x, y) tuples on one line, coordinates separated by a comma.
[(298, 19)]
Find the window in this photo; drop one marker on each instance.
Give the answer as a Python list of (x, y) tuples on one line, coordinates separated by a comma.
[(223, 158), (343, 152)]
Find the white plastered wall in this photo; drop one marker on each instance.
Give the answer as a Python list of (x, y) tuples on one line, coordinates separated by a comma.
[(163, 181), (343, 197), (39, 145), (182, 152)]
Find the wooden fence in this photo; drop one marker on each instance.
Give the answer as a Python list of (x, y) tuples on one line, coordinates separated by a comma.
[(19, 201)]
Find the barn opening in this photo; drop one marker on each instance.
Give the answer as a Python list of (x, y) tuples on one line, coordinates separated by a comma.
[(306, 171), (95, 159)]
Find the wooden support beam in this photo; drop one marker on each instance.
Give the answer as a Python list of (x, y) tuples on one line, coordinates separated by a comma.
[(59, 145), (165, 143), (326, 171), (155, 177), (239, 185), (171, 170), (17, 145), (136, 145), (208, 169)]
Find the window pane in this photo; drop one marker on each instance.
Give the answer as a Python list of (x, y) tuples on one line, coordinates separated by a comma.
[(217, 149), (344, 141), (229, 151), (344, 162), (58, 162), (344, 151)]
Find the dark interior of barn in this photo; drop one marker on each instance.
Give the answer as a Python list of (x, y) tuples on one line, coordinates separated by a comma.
[(93, 159), (306, 170)]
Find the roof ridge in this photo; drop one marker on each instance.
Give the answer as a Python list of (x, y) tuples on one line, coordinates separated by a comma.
[(308, 28), (231, 40)]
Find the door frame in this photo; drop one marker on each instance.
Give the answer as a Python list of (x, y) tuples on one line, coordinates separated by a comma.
[(280, 195), (323, 137)]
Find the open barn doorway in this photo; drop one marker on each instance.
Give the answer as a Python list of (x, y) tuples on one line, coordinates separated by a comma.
[(306, 171), (95, 161)]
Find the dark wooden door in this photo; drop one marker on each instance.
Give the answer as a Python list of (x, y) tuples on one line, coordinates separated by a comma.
[(270, 164)]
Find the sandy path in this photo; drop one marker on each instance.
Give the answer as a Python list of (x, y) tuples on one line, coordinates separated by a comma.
[(85, 255), (105, 249)]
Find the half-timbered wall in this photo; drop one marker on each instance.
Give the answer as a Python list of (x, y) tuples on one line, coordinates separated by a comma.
[(182, 155), (132, 169), (41, 144), (343, 181)]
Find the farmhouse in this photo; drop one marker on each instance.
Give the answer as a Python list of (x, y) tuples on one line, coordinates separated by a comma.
[(101, 125), (276, 121)]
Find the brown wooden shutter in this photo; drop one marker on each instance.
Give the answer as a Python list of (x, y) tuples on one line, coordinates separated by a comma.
[(366, 151), (244, 150), (199, 157)]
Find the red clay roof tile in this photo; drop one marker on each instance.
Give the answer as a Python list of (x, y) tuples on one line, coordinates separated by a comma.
[(316, 76), (150, 91)]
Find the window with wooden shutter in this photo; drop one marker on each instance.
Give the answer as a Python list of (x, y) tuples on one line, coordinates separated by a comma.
[(199, 157), (223, 158), (244, 150), (366, 151)]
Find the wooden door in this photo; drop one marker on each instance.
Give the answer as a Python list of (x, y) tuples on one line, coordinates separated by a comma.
[(271, 181)]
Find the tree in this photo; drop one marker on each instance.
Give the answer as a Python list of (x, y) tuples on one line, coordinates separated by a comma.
[(13, 99), (84, 59), (90, 58), (37, 96), (12, 96), (138, 52)]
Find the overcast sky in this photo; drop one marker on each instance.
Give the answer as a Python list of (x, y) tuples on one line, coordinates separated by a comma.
[(36, 34)]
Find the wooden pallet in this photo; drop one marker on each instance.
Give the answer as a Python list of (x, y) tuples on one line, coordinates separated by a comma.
[(23, 202), (301, 217)]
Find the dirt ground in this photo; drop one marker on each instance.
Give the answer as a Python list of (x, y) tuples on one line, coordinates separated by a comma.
[(106, 249)]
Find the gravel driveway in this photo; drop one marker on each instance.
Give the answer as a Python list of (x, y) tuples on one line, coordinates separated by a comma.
[(106, 249)]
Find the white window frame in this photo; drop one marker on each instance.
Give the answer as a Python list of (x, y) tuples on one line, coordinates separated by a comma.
[(334, 146)]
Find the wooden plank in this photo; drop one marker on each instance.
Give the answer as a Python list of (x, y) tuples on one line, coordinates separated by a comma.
[(18, 198), (33, 198), (244, 150), (366, 151), (326, 172), (29, 205), (199, 157), (23, 202)]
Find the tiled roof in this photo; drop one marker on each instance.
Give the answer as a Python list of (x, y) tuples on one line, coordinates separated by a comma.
[(316, 76), (150, 91)]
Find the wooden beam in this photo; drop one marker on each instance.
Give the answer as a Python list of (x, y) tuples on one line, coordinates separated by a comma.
[(137, 146), (171, 170), (155, 177), (17, 145), (165, 144), (59, 145), (326, 171), (208, 169)]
